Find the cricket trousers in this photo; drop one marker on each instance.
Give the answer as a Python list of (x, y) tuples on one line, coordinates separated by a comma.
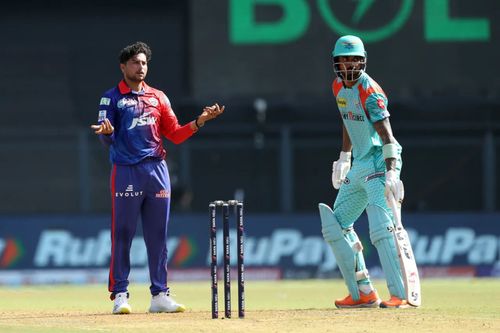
[(364, 186), (140, 190)]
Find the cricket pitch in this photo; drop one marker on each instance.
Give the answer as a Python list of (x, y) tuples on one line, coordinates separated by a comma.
[(449, 305)]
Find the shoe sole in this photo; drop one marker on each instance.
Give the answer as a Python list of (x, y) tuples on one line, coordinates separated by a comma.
[(180, 308), (403, 306), (374, 304), (123, 310)]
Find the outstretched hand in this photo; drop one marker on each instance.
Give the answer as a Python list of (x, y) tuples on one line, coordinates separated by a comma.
[(103, 128), (210, 112)]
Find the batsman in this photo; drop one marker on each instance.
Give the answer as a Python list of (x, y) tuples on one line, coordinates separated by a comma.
[(368, 140)]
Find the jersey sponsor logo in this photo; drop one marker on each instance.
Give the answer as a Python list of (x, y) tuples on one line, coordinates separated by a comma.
[(144, 120), (102, 115), (352, 116), (129, 193), (163, 194), (105, 101), (153, 101), (126, 102), (341, 102)]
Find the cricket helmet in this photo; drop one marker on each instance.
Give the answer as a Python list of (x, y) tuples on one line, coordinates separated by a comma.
[(349, 46)]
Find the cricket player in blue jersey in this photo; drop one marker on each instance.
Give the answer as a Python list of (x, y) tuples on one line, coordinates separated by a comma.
[(133, 117), (376, 165)]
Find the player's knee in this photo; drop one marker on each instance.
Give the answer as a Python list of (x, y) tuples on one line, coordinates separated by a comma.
[(123, 231), (330, 227)]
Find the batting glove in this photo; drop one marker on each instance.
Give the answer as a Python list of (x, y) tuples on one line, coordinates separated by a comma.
[(394, 185), (340, 169)]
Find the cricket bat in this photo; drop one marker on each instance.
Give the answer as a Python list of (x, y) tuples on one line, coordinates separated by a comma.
[(406, 258)]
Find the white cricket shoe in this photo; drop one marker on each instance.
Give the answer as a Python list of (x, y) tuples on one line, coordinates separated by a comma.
[(121, 305), (164, 303)]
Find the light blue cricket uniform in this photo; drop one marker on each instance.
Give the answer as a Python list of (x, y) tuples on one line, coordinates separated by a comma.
[(363, 189), (361, 106)]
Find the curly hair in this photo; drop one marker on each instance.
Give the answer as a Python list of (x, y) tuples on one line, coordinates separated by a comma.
[(130, 51)]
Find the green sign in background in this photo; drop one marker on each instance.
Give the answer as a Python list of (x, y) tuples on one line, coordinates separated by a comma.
[(439, 26)]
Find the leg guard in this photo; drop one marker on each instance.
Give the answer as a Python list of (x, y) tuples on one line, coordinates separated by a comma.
[(383, 239), (347, 249)]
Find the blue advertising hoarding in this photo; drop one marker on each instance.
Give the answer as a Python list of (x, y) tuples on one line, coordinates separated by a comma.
[(76, 249)]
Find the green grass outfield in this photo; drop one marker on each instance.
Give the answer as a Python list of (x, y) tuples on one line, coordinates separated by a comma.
[(454, 305)]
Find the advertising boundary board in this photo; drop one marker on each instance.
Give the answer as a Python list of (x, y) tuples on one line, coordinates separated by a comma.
[(76, 249)]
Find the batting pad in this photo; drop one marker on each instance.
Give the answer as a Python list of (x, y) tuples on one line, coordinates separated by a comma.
[(383, 239), (347, 249)]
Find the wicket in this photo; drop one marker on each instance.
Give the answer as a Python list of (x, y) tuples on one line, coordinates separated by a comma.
[(227, 257)]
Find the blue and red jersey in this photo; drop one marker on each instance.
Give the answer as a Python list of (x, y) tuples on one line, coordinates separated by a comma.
[(139, 120)]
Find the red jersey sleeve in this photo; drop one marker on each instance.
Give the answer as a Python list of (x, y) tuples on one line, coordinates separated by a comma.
[(169, 126)]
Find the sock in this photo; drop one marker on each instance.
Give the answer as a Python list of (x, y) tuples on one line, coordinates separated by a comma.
[(365, 288)]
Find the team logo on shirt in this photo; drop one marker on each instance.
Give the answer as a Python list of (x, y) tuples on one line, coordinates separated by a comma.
[(341, 102), (153, 101), (163, 194), (381, 104), (102, 115), (126, 102), (105, 101), (144, 120)]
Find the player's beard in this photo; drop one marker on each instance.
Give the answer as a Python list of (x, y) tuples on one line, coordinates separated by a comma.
[(351, 75), (136, 77)]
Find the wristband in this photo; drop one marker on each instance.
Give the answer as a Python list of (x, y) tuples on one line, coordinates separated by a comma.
[(345, 156), (390, 150), (196, 123)]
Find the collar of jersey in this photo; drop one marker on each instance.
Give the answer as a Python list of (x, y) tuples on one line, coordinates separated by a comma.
[(125, 89)]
